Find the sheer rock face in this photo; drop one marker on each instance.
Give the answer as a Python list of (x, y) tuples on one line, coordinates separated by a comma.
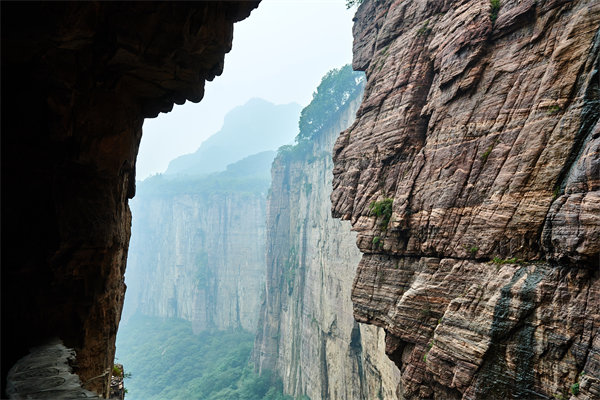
[(485, 134), (200, 257), (307, 333), (78, 80)]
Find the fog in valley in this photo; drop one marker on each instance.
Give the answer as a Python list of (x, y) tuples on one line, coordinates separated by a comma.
[(219, 251)]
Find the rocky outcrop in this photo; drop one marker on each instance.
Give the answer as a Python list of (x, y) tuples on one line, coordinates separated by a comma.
[(78, 79), (198, 256), (307, 333), (479, 128)]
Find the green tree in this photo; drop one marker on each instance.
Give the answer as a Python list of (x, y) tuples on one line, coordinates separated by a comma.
[(337, 88), (352, 3)]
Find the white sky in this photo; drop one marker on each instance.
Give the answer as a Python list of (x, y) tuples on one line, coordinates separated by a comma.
[(279, 54)]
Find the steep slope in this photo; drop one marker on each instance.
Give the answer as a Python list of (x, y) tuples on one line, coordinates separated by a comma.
[(197, 248), (307, 333), (78, 79), (253, 127), (479, 133)]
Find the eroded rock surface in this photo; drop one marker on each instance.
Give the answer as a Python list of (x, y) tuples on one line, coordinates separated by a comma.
[(78, 79), (482, 126), (307, 333)]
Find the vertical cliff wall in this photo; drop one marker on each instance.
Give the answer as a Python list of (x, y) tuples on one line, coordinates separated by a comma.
[(479, 130), (198, 256), (78, 79), (307, 333)]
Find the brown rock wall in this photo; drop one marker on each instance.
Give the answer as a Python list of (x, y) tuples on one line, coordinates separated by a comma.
[(484, 132), (78, 79), (471, 127)]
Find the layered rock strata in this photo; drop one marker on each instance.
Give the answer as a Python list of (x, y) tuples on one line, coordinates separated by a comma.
[(479, 127), (200, 257), (307, 333), (78, 79)]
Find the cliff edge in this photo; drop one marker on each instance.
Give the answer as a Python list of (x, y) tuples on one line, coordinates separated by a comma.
[(472, 178)]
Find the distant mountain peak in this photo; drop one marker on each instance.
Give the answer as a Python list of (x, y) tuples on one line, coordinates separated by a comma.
[(256, 126)]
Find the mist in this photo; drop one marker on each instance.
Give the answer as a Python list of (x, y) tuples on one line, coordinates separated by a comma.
[(279, 55)]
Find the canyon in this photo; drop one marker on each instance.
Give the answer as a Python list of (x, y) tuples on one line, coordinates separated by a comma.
[(198, 232), (471, 179), (202, 246), (307, 333), (199, 256)]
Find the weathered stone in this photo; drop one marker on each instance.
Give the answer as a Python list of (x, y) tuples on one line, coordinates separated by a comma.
[(484, 132), (78, 80), (307, 333), (46, 373)]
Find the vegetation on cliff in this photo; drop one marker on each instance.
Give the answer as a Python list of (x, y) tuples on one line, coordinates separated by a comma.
[(333, 95)]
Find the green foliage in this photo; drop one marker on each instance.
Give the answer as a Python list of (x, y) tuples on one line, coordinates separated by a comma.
[(352, 3), (169, 362), (555, 193), (385, 50), (473, 250), (553, 109), (376, 241), (295, 152), (382, 209), (575, 388), (333, 95), (494, 8), (337, 88), (117, 371), (424, 30), (486, 153)]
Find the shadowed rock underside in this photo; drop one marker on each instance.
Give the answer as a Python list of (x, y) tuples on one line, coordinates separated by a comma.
[(78, 79)]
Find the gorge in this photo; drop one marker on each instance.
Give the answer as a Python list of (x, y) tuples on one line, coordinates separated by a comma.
[(470, 177)]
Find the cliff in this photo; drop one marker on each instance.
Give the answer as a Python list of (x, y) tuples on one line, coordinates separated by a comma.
[(78, 79), (307, 333), (471, 176), (198, 247)]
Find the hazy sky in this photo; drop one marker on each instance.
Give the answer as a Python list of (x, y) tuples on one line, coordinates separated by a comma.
[(279, 54)]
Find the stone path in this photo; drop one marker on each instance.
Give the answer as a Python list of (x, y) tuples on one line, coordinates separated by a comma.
[(45, 373)]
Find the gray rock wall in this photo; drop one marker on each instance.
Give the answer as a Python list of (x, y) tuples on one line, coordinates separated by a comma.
[(199, 257), (307, 331)]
